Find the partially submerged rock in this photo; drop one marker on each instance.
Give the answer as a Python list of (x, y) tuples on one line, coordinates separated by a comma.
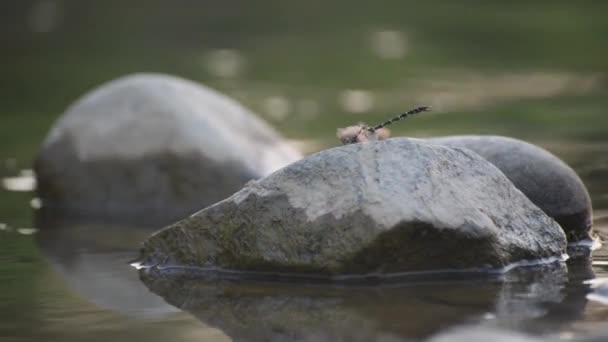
[(547, 181), (154, 145), (380, 207)]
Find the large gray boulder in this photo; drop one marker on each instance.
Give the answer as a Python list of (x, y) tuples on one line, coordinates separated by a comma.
[(381, 207), (154, 145), (547, 181)]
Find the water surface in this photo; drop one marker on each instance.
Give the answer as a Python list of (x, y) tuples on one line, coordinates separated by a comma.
[(532, 70)]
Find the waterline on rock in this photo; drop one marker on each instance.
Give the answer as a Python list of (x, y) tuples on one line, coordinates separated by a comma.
[(230, 274)]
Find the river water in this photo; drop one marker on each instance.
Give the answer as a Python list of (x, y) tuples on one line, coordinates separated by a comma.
[(535, 71)]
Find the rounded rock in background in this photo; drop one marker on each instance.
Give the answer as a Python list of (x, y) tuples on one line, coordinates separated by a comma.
[(154, 146), (545, 179)]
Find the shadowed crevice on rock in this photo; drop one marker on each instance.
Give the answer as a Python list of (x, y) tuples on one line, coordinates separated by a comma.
[(422, 247)]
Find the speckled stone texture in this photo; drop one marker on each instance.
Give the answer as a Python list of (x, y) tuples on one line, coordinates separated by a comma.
[(379, 207)]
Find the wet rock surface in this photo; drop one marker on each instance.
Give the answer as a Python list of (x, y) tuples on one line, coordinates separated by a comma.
[(546, 180), (154, 145), (375, 208)]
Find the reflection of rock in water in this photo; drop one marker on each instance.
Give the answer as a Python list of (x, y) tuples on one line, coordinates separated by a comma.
[(574, 301), (482, 334), (600, 290), (543, 287), (543, 302), (262, 311), (93, 258)]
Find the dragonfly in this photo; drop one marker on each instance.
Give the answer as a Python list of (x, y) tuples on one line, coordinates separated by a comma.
[(362, 132)]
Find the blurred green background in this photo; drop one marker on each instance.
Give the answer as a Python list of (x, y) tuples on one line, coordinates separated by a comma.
[(535, 70)]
